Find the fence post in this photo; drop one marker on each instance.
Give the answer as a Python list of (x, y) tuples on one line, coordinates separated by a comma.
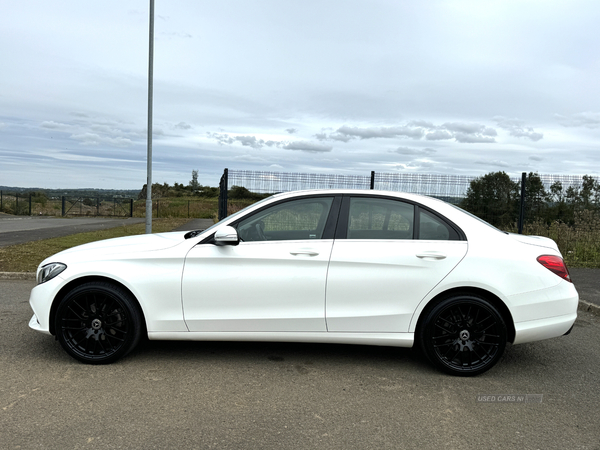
[(372, 179), (130, 207), (17, 204), (97, 206), (29, 204), (223, 185), (63, 205), (522, 203)]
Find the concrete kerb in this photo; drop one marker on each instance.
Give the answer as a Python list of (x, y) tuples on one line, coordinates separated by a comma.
[(583, 305), (589, 307)]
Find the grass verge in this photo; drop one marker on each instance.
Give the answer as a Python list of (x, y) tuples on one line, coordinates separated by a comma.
[(26, 257)]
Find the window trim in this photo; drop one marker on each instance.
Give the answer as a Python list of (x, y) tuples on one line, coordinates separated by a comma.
[(329, 230), (344, 215)]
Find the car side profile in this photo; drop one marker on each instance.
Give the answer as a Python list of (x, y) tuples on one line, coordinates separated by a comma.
[(334, 266)]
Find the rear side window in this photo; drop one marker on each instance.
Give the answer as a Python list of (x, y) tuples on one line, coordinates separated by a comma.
[(378, 218), (390, 219), (434, 229)]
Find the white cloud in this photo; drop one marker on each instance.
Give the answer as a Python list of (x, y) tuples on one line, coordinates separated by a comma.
[(517, 128), (382, 132), (95, 139), (183, 126), (414, 151), (50, 124), (494, 163), (584, 119), (473, 138), (310, 147), (250, 141), (438, 135)]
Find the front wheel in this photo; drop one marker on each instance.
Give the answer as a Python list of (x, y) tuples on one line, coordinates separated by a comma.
[(98, 323), (463, 335)]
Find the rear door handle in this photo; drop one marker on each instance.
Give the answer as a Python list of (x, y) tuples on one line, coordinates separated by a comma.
[(304, 251), (431, 255)]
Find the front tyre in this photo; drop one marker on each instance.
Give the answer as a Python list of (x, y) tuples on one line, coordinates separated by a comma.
[(98, 323), (463, 335)]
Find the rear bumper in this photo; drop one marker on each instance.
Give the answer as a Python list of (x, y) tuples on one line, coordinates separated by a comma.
[(536, 330)]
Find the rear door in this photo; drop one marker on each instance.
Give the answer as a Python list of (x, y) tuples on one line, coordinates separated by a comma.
[(388, 254)]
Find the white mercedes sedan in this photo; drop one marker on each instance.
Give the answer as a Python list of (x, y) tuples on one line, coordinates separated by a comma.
[(334, 266)]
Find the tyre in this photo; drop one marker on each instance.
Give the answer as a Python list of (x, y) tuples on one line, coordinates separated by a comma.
[(463, 335), (98, 323)]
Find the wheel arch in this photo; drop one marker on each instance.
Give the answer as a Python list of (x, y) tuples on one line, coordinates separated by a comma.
[(87, 279), (487, 295)]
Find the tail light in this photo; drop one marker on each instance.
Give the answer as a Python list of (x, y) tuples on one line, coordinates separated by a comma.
[(556, 265)]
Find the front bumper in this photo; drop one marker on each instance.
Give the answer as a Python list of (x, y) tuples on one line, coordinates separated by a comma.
[(34, 324)]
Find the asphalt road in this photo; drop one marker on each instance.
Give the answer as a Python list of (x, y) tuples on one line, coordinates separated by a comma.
[(291, 396), (21, 229)]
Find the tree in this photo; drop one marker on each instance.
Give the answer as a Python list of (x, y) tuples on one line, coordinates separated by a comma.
[(535, 195), (589, 193), (194, 185), (493, 197), (158, 191)]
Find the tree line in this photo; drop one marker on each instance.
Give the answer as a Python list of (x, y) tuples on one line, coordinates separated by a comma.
[(496, 198), (195, 189)]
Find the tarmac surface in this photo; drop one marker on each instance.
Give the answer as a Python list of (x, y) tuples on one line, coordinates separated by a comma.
[(284, 396), (21, 229)]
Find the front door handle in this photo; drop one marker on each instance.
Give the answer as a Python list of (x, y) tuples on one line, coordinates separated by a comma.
[(431, 255)]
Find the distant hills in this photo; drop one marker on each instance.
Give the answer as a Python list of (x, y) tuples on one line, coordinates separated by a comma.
[(104, 193)]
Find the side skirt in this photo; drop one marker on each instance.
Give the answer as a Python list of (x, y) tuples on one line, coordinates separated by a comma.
[(383, 339)]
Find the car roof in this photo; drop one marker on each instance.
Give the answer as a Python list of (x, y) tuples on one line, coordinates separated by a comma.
[(435, 202)]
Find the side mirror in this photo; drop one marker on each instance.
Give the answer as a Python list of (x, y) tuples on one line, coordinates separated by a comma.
[(226, 236)]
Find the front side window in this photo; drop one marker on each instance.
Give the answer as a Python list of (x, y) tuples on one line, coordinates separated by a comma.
[(378, 218), (292, 220)]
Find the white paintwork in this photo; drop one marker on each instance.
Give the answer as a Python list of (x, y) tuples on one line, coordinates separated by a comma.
[(256, 286), (398, 279), (364, 292)]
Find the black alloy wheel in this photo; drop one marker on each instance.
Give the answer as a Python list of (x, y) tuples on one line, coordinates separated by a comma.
[(463, 335), (98, 323)]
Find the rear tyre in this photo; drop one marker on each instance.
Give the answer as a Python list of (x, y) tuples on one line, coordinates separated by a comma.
[(463, 335), (98, 323)]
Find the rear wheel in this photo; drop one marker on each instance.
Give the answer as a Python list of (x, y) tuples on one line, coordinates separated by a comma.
[(463, 335), (98, 323)]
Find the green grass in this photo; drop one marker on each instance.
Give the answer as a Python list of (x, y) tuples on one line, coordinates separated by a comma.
[(26, 257), (579, 244)]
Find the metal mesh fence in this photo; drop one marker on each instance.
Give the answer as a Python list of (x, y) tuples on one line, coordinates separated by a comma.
[(273, 182), (451, 188), (575, 181)]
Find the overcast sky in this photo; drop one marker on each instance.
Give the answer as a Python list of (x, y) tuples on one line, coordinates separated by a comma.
[(327, 86)]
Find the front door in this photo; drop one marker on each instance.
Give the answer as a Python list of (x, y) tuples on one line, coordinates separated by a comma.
[(274, 280)]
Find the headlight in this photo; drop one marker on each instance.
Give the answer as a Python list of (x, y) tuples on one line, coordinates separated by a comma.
[(49, 271)]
